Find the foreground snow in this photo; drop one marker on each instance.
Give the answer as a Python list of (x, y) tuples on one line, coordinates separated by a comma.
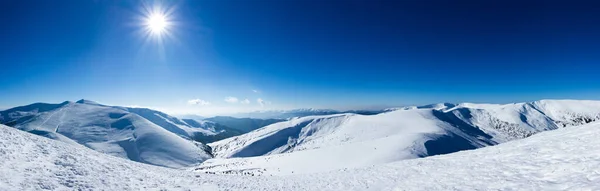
[(563, 159)]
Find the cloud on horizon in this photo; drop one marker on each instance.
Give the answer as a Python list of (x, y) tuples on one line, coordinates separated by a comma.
[(231, 99), (198, 102), (262, 102), (246, 101)]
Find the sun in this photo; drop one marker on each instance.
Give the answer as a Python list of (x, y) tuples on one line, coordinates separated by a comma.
[(157, 23)]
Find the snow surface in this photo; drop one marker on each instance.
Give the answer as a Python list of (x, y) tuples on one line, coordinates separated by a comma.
[(114, 131), (562, 159)]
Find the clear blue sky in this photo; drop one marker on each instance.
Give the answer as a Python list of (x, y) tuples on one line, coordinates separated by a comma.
[(341, 54)]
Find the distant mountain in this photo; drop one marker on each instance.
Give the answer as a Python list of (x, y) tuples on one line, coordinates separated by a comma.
[(430, 106), (171, 123), (197, 130), (348, 140), (222, 131), (191, 116), (243, 125), (286, 114), (113, 130)]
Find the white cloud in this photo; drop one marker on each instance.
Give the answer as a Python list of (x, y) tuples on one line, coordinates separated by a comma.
[(246, 101), (262, 102), (198, 102), (231, 99), (255, 91)]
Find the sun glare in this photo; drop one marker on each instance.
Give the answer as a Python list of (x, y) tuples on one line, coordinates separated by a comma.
[(156, 23)]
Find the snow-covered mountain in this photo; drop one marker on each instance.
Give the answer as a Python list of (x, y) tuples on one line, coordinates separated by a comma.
[(351, 140), (191, 116), (555, 160), (196, 129), (137, 134)]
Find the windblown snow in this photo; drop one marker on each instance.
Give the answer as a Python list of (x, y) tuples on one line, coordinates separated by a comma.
[(562, 159)]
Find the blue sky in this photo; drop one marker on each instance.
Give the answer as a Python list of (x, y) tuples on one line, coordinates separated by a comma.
[(336, 54)]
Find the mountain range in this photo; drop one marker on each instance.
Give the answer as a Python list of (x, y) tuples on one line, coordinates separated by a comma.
[(314, 143)]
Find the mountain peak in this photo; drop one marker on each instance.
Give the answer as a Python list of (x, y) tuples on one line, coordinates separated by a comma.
[(65, 102), (85, 101)]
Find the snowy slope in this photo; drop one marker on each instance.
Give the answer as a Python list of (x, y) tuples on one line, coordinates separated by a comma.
[(113, 131), (554, 160), (31, 162), (349, 140), (340, 130)]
